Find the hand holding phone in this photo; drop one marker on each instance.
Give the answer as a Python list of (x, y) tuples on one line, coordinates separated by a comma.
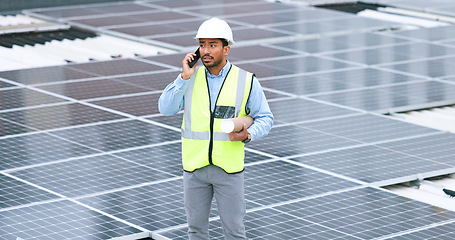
[(196, 58)]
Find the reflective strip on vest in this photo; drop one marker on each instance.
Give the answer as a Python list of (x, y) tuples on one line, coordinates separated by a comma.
[(217, 136)]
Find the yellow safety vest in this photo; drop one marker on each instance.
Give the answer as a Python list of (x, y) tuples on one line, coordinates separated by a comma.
[(203, 142)]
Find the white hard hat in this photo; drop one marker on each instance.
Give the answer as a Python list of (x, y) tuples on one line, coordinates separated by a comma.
[(215, 28)]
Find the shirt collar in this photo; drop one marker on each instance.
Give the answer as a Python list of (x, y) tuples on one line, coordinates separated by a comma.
[(223, 71)]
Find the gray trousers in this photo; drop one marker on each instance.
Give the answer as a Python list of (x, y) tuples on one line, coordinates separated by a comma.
[(199, 188)]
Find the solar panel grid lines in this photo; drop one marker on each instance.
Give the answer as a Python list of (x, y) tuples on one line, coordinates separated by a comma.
[(308, 178), (397, 53), (433, 231)]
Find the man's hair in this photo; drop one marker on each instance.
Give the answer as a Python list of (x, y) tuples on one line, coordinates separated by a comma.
[(224, 42)]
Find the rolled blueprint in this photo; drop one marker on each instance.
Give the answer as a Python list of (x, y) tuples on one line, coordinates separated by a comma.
[(235, 124)]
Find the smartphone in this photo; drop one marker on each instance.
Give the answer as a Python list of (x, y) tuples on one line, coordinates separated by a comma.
[(198, 55)]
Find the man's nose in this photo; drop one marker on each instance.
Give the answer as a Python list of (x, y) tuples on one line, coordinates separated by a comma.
[(204, 51)]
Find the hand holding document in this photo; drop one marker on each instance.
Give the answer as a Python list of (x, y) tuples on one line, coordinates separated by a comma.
[(235, 124)]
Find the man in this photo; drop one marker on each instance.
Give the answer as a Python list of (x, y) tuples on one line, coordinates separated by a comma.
[(213, 161)]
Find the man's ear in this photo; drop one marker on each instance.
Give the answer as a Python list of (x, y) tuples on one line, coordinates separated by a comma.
[(226, 50)]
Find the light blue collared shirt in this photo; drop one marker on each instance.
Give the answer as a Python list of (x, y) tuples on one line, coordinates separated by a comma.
[(172, 100)]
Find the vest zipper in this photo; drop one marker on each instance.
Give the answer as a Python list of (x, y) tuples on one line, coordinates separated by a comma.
[(212, 113), (212, 120)]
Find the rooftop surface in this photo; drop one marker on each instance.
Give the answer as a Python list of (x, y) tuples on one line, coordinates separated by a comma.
[(85, 153)]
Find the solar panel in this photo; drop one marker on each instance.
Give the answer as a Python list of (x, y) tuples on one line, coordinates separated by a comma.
[(137, 105), (44, 75), (93, 89), (372, 164), (38, 148), (5, 84), (16, 98), (382, 99), (295, 110), (90, 175), (364, 213), (368, 128), (9, 128), (438, 67), (298, 140), (123, 21), (16, 193), (396, 53), (336, 81), (61, 220), (117, 135), (436, 148), (65, 115), (443, 231), (429, 34), (85, 153), (341, 42), (293, 65)]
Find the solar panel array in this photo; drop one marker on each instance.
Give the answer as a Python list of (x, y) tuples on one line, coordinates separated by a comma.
[(85, 153)]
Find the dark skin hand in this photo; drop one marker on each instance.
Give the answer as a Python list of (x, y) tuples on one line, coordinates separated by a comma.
[(239, 136)]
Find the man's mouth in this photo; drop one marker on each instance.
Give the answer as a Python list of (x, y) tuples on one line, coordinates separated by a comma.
[(207, 58)]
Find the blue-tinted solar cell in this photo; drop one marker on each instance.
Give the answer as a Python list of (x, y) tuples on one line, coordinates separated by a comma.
[(16, 193), (9, 128), (52, 117), (358, 214), (165, 158), (144, 104), (4, 84), (367, 213), (396, 53), (44, 75), (90, 175), (295, 140), (336, 81), (292, 65), (269, 224), (430, 34), (243, 34), (118, 135), (109, 68), (437, 148), (37, 148), (174, 121), (227, 10), (275, 182), (21, 98), (295, 110), (341, 42), (440, 67), (151, 81), (292, 15), (372, 164), (256, 52), (368, 128), (440, 232), (134, 18), (400, 95), (153, 207), (93, 89), (60, 220)]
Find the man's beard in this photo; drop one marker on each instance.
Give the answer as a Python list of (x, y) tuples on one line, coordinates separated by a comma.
[(215, 63)]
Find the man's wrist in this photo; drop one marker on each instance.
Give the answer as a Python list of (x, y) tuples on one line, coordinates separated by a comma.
[(184, 77), (247, 139)]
